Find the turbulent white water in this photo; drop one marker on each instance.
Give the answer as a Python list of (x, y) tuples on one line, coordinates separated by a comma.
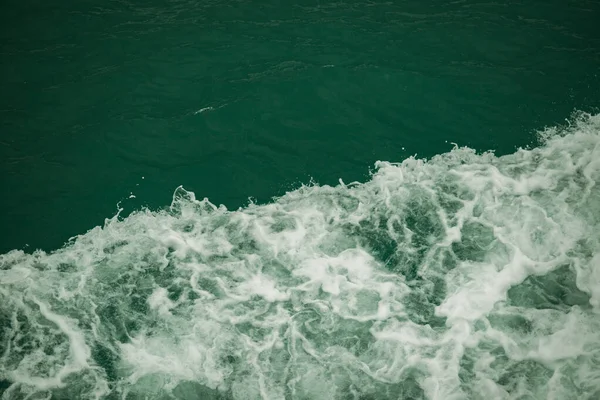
[(463, 277)]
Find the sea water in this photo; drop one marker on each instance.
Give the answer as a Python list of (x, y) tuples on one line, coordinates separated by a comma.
[(465, 276)]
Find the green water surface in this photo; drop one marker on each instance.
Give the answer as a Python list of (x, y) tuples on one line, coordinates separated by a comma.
[(100, 99)]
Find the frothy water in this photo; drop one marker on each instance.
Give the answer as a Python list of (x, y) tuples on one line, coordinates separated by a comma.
[(467, 276)]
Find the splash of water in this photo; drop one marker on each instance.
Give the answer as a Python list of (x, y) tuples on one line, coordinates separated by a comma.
[(463, 276)]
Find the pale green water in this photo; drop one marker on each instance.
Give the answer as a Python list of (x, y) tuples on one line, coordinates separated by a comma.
[(468, 276)]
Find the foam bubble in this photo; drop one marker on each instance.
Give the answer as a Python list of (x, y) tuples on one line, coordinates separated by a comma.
[(464, 276)]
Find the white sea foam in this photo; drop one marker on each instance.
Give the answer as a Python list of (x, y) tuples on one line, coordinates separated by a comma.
[(464, 276)]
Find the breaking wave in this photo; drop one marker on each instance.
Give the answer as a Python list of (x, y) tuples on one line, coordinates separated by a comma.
[(463, 276)]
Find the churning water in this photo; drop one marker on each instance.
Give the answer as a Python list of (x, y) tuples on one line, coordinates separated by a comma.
[(463, 276)]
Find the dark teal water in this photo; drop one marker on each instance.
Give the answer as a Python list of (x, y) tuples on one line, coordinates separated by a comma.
[(97, 95), (471, 275)]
